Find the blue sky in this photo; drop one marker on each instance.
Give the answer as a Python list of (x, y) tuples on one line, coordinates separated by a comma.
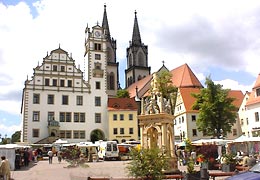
[(219, 39)]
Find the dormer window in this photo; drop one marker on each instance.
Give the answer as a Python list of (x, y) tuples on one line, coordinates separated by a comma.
[(257, 92)]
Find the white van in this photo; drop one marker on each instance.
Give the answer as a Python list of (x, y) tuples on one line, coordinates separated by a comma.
[(108, 150)]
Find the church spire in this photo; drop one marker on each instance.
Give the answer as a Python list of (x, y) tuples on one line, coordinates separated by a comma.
[(136, 38), (105, 23)]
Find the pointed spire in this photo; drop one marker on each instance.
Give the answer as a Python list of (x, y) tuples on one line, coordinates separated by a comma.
[(105, 23), (136, 38)]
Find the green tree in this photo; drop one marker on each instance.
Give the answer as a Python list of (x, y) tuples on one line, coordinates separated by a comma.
[(16, 137), (147, 163), (122, 93), (217, 112), (168, 90)]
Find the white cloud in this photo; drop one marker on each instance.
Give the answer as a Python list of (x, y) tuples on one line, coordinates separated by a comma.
[(234, 85)]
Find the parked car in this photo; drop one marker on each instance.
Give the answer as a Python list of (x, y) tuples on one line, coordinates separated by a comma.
[(252, 174)]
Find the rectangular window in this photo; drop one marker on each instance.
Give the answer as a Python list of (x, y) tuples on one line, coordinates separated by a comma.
[(76, 134), (50, 99), (50, 116), (36, 116), (62, 116), (182, 119), (54, 82), (79, 100), (193, 117), (234, 132), (130, 117), (97, 117), (97, 56), (55, 68), (69, 83), (242, 122), (257, 92), (114, 130), (121, 117), (256, 117), (97, 101), (115, 117), (62, 83), (65, 100), (62, 134), (122, 131), (82, 117), (47, 82), (68, 134), (76, 117), (97, 46), (36, 98), (35, 133), (194, 132), (98, 85), (62, 68), (68, 116), (131, 130), (82, 134)]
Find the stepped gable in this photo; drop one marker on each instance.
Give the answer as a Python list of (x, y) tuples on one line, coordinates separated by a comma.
[(188, 99), (183, 76), (126, 104), (253, 99)]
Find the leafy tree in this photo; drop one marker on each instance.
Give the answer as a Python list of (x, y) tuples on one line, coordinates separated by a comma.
[(16, 137), (122, 93), (147, 163), (216, 109), (168, 90)]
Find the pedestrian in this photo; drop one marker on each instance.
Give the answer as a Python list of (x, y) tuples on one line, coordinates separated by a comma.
[(50, 154), (59, 154), (5, 168), (26, 157)]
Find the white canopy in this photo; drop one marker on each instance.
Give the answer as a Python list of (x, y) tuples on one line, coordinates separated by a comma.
[(210, 141), (60, 141)]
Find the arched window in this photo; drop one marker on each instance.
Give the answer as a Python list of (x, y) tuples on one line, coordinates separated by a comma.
[(141, 59)]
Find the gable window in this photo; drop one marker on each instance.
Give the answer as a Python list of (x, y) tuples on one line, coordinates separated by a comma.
[(50, 99), (98, 85), (97, 56), (47, 82), (54, 82), (79, 100), (193, 117), (36, 98), (69, 83), (62, 68), (62, 83), (256, 117), (97, 46), (97, 117), (258, 92), (65, 100), (54, 68), (97, 101), (36, 116)]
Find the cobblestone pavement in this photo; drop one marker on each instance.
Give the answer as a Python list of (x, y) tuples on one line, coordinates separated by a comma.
[(42, 170)]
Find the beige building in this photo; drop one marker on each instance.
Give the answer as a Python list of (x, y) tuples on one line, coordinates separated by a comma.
[(122, 119)]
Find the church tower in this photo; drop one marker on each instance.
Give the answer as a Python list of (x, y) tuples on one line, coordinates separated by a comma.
[(100, 52), (137, 58)]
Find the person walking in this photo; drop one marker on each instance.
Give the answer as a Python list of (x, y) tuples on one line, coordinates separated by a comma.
[(5, 168), (59, 154), (50, 154)]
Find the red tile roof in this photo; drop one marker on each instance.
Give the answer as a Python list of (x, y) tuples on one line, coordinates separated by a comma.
[(188, 99), (238, 95), (257, 82), (253, 99), (182, 76), (127, 104)]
